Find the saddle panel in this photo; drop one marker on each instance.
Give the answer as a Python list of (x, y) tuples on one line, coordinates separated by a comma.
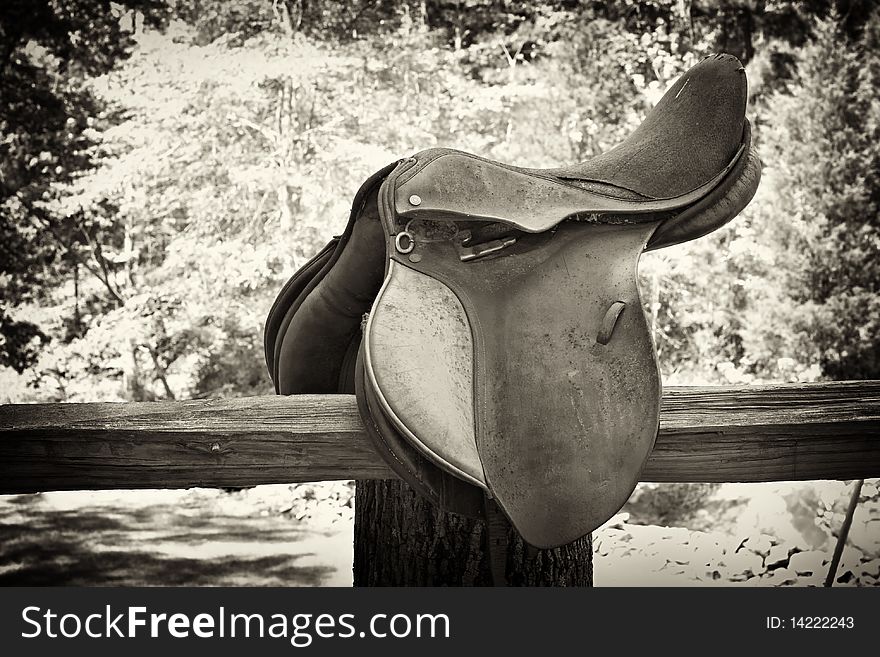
[(314, 346), (710, 213), (359, 263), (278, 318)]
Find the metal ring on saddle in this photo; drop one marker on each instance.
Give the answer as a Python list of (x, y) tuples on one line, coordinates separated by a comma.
[(398, 242)]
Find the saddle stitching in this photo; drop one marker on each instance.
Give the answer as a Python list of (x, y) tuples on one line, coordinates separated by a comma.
[(418, 164)]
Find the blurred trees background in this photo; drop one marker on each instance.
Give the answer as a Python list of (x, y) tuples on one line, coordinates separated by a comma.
[(165, 167)]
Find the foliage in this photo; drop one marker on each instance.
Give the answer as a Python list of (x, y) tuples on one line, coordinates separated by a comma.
[(49, 121), (667, 504), (166, 168), (824, 144)]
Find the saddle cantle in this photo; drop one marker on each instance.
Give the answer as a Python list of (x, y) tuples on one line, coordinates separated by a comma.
[(506, 352)]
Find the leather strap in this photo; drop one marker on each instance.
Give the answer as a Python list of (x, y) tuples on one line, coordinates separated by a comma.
[(497, 530)]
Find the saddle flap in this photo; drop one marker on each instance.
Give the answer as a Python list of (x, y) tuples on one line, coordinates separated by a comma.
[(570, 389), (546, 351)]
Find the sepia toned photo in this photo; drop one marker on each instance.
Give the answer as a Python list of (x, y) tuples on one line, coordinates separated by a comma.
[(440, 293)]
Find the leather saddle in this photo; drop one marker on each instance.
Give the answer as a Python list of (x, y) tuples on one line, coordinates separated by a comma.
[(488, 316)]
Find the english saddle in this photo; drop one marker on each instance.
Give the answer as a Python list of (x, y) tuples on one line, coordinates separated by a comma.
[(488, 316)]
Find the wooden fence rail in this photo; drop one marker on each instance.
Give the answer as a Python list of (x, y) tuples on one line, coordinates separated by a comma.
[(767, 433)]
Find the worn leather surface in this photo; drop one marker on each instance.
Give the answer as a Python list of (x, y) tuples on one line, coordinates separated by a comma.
[(691, 134), (563, 422), (687, 144), (442, 488), (419, 355), (324, 318), (460, 187), (529, 372)]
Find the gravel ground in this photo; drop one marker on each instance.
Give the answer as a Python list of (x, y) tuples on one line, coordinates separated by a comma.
[(779, 534), (775, 534)]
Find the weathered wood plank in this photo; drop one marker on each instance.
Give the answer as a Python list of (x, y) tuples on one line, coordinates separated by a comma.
[(789, 432), (780, 432)]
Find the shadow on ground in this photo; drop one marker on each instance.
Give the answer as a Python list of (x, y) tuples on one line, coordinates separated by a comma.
[(169, 538)]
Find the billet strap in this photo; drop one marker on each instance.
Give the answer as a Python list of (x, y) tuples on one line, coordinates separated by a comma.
[(497, 531)]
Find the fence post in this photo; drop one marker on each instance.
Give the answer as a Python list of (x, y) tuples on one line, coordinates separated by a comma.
[(400, 539)]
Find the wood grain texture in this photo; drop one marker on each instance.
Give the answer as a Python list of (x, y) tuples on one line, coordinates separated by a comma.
[(753, 433)]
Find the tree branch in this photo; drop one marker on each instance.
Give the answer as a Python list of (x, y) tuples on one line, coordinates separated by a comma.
[(104, 275), (160, 372)]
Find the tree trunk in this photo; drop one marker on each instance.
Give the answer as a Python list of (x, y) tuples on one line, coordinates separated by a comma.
[(400, 539)]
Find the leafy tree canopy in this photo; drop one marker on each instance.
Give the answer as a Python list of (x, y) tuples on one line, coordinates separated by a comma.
[(165, 167)]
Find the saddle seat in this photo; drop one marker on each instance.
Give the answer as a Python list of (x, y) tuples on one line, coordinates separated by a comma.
[(505, 352)]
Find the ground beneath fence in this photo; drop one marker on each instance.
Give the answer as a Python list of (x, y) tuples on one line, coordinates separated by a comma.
[(779, 534), (197, 537)]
